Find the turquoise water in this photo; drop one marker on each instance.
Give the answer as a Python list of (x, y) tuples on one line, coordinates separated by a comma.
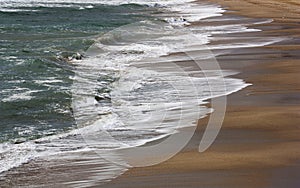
[(35, 98)]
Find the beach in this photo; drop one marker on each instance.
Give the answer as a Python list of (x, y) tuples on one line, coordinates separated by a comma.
[(80, 122), (258, 145)]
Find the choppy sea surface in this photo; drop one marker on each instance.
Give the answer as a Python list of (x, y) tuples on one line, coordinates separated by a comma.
[(73, 69)]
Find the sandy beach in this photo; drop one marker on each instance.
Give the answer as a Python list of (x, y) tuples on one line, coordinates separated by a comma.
[(258, 145)]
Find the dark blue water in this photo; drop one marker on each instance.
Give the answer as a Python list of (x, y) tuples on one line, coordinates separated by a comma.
[(35, 98)]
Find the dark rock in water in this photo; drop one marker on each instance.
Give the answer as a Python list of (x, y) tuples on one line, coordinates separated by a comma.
[(64, 56), (132, 52), (104, 90), (26, 51), (157, 5), (67, 56), (104, 113), (42, 142), (71, 110), (19, 141), (102, 98), (77, 56)]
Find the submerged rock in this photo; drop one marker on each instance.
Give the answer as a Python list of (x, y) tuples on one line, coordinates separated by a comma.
[(102, 98), (77, 56), (65, 56), (132, 52), (19, 141)]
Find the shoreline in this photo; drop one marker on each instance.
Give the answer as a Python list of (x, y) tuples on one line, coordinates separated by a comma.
[(259, 136), (258, 144)]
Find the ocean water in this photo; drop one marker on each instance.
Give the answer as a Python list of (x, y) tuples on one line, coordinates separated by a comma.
[(124, 92)]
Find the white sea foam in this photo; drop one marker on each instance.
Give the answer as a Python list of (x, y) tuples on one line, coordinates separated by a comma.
[(49, 81), (184, 8), (21, 96), (147, 102), (16, 10)]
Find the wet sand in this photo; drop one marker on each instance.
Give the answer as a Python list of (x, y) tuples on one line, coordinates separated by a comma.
[(259, 143)]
